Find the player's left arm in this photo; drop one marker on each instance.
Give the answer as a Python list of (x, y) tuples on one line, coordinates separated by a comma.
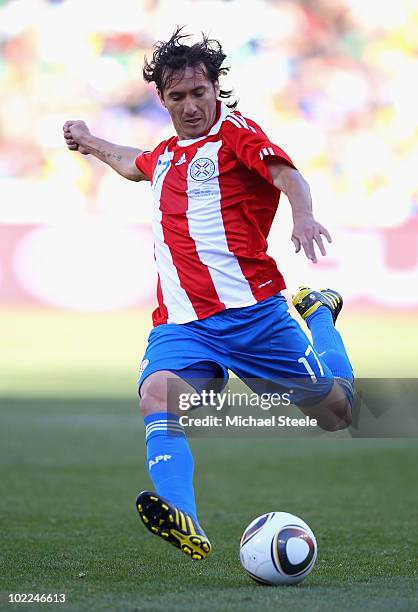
[(306, 230)]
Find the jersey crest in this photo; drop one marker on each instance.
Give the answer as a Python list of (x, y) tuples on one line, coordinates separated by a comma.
[(202, 169)]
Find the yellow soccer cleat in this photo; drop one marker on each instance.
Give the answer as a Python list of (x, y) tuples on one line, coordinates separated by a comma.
[(307, 301), (172, 525)]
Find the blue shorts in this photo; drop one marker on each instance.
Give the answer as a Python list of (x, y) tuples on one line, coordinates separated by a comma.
[(262, 344)]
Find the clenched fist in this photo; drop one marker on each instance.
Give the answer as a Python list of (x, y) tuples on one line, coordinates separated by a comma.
[(76, 134)]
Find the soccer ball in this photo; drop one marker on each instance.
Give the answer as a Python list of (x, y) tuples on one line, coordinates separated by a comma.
[(278, 548)]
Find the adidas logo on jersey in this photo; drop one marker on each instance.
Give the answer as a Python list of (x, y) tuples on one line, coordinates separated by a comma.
[(182, 160)]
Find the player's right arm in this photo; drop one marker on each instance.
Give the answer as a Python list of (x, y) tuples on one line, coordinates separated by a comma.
[(121, 159)]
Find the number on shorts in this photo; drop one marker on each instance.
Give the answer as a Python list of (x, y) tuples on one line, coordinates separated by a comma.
[(305, 362)]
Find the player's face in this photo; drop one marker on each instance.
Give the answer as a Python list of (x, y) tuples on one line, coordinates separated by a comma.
[(190, 98)]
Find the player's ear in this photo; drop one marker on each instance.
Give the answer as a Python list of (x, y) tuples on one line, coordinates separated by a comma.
[(217, 88)]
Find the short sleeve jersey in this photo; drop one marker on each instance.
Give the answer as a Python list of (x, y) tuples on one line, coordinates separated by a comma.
[(214, 203)]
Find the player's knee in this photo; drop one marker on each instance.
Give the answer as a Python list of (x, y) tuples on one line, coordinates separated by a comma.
[(345, 418), (152, 400), (337, 417), (161, 390)]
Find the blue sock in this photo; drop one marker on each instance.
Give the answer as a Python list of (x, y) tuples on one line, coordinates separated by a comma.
[(170, 461), (328, 344)]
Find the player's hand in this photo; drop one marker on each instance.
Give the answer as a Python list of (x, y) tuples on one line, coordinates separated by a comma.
[(306, 232), (75, 133)]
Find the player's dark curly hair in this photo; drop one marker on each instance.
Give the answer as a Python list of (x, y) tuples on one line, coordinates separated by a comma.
[(173, 55)]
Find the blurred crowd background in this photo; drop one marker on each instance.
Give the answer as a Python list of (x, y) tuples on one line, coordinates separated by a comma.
[(331, 81)]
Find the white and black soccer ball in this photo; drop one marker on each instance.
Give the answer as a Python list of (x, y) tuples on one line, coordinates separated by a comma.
[(278, 548)]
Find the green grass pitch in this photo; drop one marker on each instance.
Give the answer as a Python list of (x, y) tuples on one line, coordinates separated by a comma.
[(72, 461)]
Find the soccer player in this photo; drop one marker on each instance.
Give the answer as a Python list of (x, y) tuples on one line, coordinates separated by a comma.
[(216, 188)]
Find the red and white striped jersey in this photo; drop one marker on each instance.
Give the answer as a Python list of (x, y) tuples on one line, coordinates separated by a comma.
[(214, 206)]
